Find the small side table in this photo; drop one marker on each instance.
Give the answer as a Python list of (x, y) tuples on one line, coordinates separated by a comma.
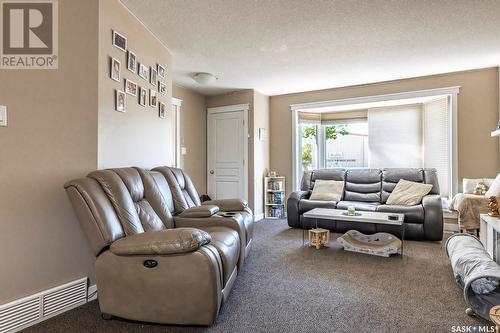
[(319, 237)]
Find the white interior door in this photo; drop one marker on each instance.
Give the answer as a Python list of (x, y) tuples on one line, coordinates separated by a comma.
[(227, 153)]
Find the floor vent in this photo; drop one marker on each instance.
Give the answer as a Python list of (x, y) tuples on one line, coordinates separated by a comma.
[(30, 310)]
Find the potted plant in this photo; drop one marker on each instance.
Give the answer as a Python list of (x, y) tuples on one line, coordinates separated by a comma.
[(307, 156)]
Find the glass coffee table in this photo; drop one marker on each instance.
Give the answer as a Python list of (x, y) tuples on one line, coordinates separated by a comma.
[(395, 219)]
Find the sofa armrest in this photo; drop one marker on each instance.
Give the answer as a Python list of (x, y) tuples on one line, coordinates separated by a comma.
[(433, 219), (229, 205), (292, 207), (200, 211), (162, 242), (234, 222)]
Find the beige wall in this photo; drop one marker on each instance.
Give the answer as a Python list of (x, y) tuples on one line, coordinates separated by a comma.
[(137, 137), (478, 109), (51, 138), (261, 155), (193, 135)]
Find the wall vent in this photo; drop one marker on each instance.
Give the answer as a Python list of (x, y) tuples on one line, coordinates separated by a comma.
[(30, 310)]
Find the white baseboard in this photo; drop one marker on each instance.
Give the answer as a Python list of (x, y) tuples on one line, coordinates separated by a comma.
[(33, 309), (92, 290), (258, 217)]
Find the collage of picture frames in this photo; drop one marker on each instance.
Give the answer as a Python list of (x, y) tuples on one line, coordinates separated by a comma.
[(152, 75)]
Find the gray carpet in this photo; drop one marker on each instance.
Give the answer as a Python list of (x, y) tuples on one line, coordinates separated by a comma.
[(285, 287)]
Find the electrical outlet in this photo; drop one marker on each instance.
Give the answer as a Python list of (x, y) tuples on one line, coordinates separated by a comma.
[(3, 115)]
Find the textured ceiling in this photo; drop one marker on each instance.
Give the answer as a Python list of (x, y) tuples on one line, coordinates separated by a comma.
[(284, 46)]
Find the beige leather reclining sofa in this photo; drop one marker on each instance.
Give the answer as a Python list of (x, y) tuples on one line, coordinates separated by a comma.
[(162, 255)]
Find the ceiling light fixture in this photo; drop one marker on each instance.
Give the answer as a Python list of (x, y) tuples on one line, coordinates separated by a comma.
[(204, 78)]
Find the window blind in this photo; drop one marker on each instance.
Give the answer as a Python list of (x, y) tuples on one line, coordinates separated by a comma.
[(331, 117), (395, 137), (437, 140)]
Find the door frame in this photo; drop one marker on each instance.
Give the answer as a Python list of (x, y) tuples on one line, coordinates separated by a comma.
[(232, 108), (177, 103)]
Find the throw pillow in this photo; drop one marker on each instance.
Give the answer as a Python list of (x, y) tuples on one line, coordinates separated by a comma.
[(327, 190), (408, 193), (469, 185), (494, 189), (480, 189)]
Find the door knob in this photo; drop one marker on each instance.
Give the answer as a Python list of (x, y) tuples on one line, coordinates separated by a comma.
[(211, 172)]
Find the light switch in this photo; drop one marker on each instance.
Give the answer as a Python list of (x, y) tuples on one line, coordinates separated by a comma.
[(3, 115), (183, 150)]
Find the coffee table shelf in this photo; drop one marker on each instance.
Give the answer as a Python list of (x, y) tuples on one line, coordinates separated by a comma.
[(361, 217)]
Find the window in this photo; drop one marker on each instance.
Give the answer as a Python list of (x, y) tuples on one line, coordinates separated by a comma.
[(417, 131), (339, 145)]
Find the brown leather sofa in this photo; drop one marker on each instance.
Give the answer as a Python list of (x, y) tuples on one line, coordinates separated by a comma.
[(162, 256)]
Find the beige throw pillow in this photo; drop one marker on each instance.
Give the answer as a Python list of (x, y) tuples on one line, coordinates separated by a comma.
[(408, 193), (469, 185), (327, 190), (494, 189)]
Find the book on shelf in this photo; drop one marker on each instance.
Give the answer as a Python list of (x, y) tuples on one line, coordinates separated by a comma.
[(275, 211), (276, 198), (275, 185)]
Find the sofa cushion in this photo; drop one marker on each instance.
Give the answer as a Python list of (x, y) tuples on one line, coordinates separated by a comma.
[(413, 214), (161, 242), (358, 205), (311, 177), (327, 190), (248, 221), (363, 185), (227, 243), (494, 189), (391, 176), (306, 205), (408, 193), (469, 185)]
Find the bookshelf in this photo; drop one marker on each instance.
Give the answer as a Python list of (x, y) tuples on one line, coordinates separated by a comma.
[(274, 197)]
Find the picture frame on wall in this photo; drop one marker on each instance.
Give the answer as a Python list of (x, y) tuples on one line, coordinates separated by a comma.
[(114, 69), (162, 88), (152, 76), (162, 110), (143, 72), (131, 61), (130, 87), (153, 98), (162, 72), (120, 101), (119, 41), (143, 96)]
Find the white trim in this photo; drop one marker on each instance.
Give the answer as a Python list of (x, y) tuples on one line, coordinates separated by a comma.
[(229, 108), (91, 290), (377, 98), (234, 108), (176, 101), (258, 217), (295, 152), (454, 145), (450, 91)]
